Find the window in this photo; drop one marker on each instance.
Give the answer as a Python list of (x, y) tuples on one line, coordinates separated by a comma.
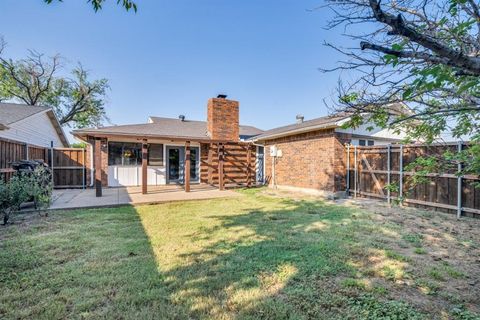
[(362, 142), (124, 154), (130, 154), (155, 154)]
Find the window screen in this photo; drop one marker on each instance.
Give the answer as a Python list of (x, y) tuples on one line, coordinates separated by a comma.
[(361, 142), (371, 142), (155, 154)]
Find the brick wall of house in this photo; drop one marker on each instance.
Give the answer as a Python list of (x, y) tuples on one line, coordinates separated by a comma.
[(312, 160), (222, 119)]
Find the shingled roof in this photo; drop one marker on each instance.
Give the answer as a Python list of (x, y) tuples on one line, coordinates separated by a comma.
[(12, 112), (305, 126), (166, 128)]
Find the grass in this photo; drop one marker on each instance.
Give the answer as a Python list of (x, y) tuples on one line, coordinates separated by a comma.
[(252, 257)]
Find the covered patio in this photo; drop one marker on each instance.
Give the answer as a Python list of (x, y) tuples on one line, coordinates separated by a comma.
[(170, 151), (86, 198)]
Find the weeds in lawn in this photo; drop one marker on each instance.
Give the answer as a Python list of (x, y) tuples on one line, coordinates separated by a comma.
[(250, 257), (420, 251), (369, 307), (414, 239)]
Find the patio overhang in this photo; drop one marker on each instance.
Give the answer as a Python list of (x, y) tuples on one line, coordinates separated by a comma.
[(99, 141), (85, 135)]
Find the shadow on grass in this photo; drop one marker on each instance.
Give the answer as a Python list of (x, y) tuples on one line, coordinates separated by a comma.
[(275, 264), (252, 257), (80, 264)]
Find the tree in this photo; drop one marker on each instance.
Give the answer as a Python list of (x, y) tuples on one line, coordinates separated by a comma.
[(424, 53), (76, 100), (97, 4)]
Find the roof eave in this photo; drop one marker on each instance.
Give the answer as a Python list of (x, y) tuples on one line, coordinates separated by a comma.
[(297, 131), (58, 127), (83, 135)]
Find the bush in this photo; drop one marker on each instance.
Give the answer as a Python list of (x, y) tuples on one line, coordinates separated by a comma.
[(24, 187)]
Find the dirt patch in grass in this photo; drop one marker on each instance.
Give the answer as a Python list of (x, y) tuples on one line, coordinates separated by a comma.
[(426, 258)]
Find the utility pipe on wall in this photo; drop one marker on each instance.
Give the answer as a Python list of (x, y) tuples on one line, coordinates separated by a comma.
[(348, 170), (356, 169), (389, 149), (459, 184)]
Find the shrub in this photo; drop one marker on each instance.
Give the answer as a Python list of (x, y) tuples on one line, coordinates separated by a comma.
[(23, 187)]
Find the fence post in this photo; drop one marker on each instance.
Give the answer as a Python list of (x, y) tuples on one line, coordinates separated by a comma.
[(356, 169), (27, 155), (348, 170), (400, 191), (389, 147), (459, 184)]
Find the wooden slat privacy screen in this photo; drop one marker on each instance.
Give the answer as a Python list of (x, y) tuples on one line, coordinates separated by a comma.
[(237, 169), (371, 168)]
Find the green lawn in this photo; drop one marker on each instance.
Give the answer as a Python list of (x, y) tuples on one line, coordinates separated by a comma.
[(253, 257)]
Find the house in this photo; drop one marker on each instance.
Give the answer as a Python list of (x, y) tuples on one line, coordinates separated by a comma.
[(177, 151), (33, 125), (310, 155)]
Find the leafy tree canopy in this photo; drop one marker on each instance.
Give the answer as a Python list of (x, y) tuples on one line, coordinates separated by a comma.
[(76, 100), (97, 4), (422, 53)]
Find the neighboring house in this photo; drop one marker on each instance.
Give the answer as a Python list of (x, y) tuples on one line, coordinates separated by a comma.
[(310, 155), (163, 142), (31, 125)]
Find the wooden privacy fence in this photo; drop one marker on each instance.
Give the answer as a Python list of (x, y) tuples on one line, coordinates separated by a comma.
[(70, 166), (371, 169)]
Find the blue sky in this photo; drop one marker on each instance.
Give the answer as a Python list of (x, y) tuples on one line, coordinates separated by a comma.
[(171, 56)]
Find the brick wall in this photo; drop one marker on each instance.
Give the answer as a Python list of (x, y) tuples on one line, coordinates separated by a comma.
[(222, 119), (312, 160)]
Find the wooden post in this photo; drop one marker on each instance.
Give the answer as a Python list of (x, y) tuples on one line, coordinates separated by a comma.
[(27, 155), (187, 167), (221, 184), (98, 167), (210, 164), (249, 159), (144, 166)]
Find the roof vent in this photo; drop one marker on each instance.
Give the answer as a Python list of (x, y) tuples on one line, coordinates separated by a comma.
[(222, 96), (300, 118), (181, 117)]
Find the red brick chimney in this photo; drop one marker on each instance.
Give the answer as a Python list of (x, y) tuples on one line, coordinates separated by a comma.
[(222, 119)]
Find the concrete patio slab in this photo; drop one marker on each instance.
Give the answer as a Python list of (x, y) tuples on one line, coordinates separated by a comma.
[(78, 198)]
